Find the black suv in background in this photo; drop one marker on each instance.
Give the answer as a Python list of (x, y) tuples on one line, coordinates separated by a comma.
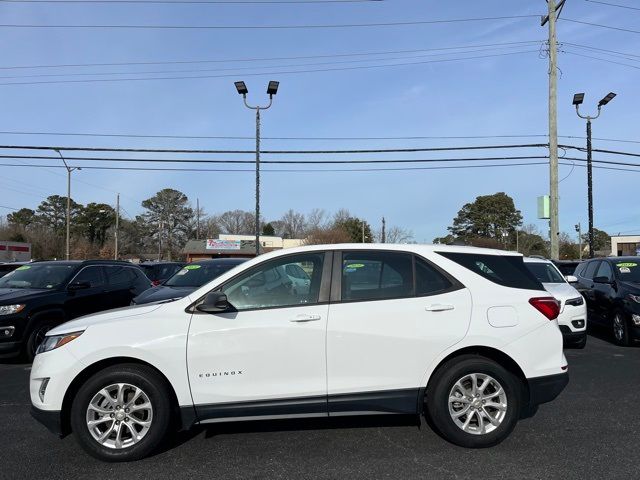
[(158, 272), (36, 297), (611, 287)]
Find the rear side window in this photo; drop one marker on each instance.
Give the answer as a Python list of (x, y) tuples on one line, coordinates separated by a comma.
[(506, 270), (119, 275), (428, 280), (376, 275)]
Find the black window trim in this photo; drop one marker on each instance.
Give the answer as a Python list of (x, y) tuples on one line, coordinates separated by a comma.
[(336, 279), (323, 295)]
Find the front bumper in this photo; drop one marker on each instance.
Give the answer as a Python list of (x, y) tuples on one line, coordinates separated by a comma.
[(570, 337), (547, 388), (52, 419)]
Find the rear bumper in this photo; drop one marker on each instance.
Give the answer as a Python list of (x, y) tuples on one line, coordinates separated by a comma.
[(52, 419), (547, 388)]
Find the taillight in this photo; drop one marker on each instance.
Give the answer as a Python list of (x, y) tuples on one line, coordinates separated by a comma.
[(155, 283), (548, 306)]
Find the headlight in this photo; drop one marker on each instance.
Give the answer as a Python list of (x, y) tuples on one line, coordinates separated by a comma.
[(11, 309), (54, 341), (635, 298), (575, 302)]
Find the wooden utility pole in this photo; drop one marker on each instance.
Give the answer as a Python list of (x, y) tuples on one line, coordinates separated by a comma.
[(115, 235)]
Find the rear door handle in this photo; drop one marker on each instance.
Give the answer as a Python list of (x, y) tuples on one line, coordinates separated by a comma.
[(438, 308), (305, 318)]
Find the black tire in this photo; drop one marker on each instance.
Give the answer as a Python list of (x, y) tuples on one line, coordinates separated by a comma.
[(580, 344), (437, 401), (620, 329), (35, 335), (143, 377)]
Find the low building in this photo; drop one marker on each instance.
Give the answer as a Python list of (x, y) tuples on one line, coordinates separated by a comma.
[(266, 241), (218, 248), (624, 245), (14, 251)]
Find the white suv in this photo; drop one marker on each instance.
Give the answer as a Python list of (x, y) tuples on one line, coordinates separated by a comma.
[(572, 319), (463, 335)]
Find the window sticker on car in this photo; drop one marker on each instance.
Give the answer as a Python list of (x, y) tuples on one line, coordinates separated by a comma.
[(625, 270), (24, 267), (626, 264), (192, 267), (355, 265)]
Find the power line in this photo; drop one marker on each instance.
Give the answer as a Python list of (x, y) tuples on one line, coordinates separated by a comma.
[(277, 162), (9, 208), (620, 29), (269, 59), (273, 27), (195, 2), (297, 152), (255, 74), (600, 150), (613, 5), (603, 59), (182, 169), (589, 47), (252, 138), (199, 70)]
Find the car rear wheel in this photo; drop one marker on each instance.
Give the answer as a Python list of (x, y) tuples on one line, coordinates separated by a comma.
[(473, 402), (121, 413), (620, 329)]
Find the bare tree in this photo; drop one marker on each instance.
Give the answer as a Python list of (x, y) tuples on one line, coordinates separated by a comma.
[(293, 224), (328, 236), (396, 235), (316, 220), (236, 222), (341, 216)]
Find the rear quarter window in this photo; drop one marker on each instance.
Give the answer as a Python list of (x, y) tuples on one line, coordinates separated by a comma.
[(506, 270)]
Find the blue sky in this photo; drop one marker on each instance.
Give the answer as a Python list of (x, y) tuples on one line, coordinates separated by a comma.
[(501, 95)]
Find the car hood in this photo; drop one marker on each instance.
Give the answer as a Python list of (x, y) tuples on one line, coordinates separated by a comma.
[(8, 295), (561, 291), (162, 293), (85, 322)]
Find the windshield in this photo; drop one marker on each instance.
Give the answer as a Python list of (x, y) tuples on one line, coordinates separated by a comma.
[(37, 276), (197, 275), (626, 271), (545, 272)]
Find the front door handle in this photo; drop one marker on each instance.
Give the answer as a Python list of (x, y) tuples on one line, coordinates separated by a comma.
[(438, 308), (305, 318)]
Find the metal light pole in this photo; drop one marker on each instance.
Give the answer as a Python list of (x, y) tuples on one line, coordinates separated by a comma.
[(579, 230), (69, 170), (578, 98), (272, 89), (115, 233)]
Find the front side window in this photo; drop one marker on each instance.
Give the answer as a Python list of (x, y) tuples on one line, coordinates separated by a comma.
[(90, 275), (545, 272), (605, 271), (269, 285), (376, 275)]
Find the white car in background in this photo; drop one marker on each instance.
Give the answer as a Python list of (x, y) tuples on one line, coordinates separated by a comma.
[(573, 308)]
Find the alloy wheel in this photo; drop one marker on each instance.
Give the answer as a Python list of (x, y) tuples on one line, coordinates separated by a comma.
[(618, 327), (477, 404), (119, 415)]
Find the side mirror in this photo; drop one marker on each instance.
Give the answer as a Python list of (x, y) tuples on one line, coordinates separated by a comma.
[(214, 302), (72, 287), (601, 280), (571, 279)]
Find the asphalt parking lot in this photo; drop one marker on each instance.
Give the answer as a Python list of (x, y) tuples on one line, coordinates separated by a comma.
[(590, 431)]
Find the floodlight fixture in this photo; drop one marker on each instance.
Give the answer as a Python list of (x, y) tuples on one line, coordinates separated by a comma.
[(578, 98), (272, 88), (241, 87), (610, 96)]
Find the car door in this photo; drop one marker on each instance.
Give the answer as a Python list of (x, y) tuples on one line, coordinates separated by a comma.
[(267, 356), (385, 329), (91, 299), (120, 286), (604, 293), (587, 289)]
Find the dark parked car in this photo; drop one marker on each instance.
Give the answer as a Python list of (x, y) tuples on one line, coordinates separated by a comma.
[(158, 272), (189, 278), (36, 297), (611, 287), (9, 267)]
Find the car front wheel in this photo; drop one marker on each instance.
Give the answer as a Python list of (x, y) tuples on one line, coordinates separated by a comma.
[(620, 329), (122, 413), (473, 402)]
